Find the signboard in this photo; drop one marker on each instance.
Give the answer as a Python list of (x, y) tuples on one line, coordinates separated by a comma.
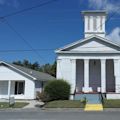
[(11, 101)]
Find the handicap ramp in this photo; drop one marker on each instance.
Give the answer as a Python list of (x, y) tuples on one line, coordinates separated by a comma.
[(93, 103)]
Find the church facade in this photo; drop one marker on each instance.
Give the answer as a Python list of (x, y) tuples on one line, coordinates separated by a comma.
[(91, 65)]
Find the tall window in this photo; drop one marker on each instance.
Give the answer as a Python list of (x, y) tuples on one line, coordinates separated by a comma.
[(101, 24), (19, 88), (94, 23), (88, 22)]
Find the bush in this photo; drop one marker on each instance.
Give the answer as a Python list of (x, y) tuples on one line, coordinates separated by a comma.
[(57, 90), (42, 96)]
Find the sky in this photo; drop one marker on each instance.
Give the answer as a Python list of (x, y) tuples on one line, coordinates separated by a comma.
[(49, 27)]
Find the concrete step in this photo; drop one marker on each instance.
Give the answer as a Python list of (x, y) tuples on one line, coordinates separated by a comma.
[(91, 98), (79, 96), (93, 107)]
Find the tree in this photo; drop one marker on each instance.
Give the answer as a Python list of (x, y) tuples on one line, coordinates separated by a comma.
[(26, 62), (18, 62), (53, 69), (35, 66)]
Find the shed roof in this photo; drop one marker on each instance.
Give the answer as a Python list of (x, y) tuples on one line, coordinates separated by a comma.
[(35, 75)]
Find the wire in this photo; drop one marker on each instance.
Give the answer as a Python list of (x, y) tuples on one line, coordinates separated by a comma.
[(23, 39), (2, 19), (27, 50), (27, 9), (108, 19)]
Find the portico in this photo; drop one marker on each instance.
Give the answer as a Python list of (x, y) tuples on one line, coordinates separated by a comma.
[(95, 75)]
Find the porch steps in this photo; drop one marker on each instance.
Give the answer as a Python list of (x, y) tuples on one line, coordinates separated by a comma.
[(91, 98), (93, 103), (79, 96), (93, 107)]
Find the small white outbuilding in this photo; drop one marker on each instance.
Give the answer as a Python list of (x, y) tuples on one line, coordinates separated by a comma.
[(20, 82)]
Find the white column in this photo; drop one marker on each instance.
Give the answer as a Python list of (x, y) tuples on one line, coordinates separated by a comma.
[(59, 70), (73, 75), (103, 75), (117, 75), (86, 87), (9, 86)]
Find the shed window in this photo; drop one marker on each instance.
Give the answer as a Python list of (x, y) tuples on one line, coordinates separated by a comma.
[(19, 88)]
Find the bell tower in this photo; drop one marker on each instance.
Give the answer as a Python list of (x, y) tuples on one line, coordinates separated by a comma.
[(94, 23)]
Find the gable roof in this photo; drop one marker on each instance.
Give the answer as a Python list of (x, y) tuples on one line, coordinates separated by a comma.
[(60, 50), (35, 75)]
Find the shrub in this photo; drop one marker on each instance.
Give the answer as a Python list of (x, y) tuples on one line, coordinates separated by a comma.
[(84, 100), (42, 96), (57, 90)]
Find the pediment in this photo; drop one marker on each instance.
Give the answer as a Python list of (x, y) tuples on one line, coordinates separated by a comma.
[(93, 44)]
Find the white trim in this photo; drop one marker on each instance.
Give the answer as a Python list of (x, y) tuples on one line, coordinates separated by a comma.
[(103, 52), (9, 88), (83, 40), (94, 11), (103, 75), (17, 69)]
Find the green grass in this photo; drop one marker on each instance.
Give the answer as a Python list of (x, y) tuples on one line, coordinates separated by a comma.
[(111, 103), (65, 104), (17, 105)]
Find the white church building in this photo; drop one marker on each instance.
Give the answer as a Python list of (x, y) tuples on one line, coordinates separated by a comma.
[(91, 65)]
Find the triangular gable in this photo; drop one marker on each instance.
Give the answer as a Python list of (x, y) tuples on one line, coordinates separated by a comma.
[(93, 43), (17, 70)]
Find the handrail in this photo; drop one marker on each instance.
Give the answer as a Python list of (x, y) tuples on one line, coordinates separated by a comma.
[(101, 97)]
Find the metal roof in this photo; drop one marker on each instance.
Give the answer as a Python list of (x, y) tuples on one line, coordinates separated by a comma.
[(35, 75), (38, 75)]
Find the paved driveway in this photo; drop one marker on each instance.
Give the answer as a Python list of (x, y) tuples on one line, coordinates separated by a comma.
[(37, 114)]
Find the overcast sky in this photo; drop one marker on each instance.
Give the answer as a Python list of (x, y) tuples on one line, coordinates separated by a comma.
[(49, 27)]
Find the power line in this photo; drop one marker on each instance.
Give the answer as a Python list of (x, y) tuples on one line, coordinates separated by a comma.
[(22, 38), (108, 19), (2, 19), (27, 9), (27, 50)]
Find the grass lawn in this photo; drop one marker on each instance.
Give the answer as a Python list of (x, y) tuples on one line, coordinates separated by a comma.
[(65, 104), (17, 105), (111, 103)]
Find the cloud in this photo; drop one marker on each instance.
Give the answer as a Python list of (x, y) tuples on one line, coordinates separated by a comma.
[(108, 5), (12, 3), (111, 6), (114, 35)]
